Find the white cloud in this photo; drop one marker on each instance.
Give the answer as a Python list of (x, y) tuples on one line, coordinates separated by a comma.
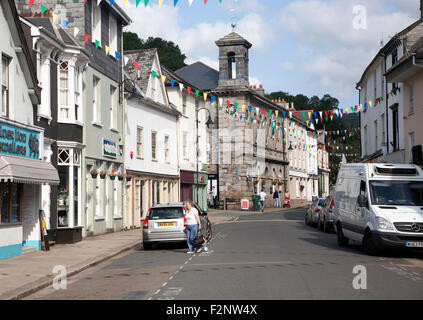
[(335, 54), (254, 81), (197, 42), (287, 66)]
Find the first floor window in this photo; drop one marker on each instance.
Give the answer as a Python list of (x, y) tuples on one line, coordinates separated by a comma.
[(5, 62), (10, 202), (167, 152), (140, 142), (153, 145), (64, 89)]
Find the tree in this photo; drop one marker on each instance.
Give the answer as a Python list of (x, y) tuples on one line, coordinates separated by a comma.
[(169, 53)]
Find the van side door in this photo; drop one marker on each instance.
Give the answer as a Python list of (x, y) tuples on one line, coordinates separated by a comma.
[(362, 207)]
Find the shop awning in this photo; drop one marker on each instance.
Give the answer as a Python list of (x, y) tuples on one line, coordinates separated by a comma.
[(23, 170)]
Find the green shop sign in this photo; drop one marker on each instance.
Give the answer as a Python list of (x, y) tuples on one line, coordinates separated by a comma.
[(19, 141)]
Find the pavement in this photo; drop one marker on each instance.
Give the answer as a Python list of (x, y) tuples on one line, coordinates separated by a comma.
[(26, 274)]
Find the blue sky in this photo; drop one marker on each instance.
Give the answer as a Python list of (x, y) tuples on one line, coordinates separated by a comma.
[(302, 46)]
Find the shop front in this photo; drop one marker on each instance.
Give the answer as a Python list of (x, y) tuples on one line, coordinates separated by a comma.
[(200, 190), (187, 185), (22, 173)]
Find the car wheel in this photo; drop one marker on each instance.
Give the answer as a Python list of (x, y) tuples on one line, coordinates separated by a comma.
[(147, 246), (209, 232), (325, 226), (342, 240), (369, 245), (320, 224)]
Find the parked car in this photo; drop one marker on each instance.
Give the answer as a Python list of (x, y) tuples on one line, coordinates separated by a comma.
[(165, 223), (326, 216), (379, 205), (313, 212)]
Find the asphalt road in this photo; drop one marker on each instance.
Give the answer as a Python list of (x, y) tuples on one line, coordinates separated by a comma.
[(255, 257)]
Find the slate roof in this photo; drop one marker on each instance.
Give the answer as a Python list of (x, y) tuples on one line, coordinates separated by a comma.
[(233, 38), (145, 59), (173, 76), (200, 75), (55, 31)]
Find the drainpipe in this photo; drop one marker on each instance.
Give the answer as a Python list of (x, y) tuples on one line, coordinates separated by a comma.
[(386, 107)]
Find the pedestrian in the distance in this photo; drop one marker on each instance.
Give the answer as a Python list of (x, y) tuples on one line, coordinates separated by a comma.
[(193, 226), (262, 199), (276, 199)]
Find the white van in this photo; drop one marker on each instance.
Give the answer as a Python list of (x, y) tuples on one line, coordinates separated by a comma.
[(379, 205)]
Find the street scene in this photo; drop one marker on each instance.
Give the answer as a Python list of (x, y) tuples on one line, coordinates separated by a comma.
[(187, 150)]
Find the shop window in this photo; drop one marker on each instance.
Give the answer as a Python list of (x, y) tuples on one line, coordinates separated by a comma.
[(11, 197), (68, 198)]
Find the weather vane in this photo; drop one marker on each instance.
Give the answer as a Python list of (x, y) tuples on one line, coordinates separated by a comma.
[(234, 23)]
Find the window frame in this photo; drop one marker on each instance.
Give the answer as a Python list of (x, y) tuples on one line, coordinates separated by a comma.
[(95, 100), (113, 108), (410, 99), (167, 148), (8, 59), (64, 91), (154, 145), (96, 25), (140, 143), (20, 195), (113, 25)]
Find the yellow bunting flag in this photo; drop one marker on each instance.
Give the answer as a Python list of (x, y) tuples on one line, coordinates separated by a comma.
[(243, 107), (54, 17), (309, 115), (205, 96), (107, 49), (160, 2), (276, 112), (370, 103), (124, 2), (163, 79)]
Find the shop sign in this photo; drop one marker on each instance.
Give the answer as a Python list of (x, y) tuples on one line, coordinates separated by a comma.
[(19, 141), (204, 166), (109, 148)]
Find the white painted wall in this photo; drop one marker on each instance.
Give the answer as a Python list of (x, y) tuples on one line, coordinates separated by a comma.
[(18, 94), (187, 124), (151, 119)]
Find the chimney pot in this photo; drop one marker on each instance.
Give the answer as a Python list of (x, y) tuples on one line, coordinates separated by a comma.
[(261, 87)]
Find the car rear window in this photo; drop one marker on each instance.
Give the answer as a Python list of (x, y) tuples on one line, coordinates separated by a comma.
[(166, 213), (321, 202)]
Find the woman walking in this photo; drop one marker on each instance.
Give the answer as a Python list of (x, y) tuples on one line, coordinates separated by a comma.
[(193, 226)]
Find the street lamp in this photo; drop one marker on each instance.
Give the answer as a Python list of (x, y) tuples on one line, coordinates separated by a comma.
[(208, 123)]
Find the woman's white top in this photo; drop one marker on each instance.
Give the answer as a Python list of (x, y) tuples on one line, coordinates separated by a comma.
[(191, 217)]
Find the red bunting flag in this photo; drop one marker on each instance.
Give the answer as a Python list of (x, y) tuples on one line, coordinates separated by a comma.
[(31, 2), (326, 114), (331, 112), (263, 111), (189, 90), (228, 103), (136, 65), (87, 36)]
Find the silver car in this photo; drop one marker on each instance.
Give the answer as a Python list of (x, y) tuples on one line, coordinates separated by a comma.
[(313, 212), (326, 215), (165, 223)]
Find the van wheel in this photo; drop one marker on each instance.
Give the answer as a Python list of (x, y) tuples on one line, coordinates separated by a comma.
[(342, 240), (147, 246), (369, 246)]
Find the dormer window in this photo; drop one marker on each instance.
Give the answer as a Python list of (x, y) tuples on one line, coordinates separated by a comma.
[(112, 34), (96, 21)]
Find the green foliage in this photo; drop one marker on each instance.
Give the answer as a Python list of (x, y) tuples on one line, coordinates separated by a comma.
[(169, 53), (327, 103)]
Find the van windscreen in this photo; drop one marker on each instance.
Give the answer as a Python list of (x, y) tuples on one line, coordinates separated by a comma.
[(406, 193), (166, 213)]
